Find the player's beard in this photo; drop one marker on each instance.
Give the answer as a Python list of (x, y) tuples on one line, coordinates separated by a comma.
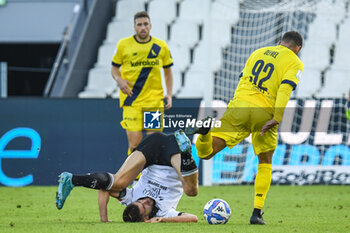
[(143, 35)]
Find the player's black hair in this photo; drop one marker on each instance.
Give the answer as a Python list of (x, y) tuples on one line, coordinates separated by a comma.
[(141, 14), (132, 213), (293, 36), (154, 211)]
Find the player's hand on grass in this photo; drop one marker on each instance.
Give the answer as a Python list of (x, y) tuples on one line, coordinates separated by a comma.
[(154, 220), (169, 101), (105, 220), (268, 126), (124, 86)]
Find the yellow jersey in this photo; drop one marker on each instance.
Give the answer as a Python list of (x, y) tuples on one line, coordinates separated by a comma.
[(141, 64), (266, 69)]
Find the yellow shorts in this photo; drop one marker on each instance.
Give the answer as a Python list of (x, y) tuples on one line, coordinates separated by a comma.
[(242, 119), (133, 117)]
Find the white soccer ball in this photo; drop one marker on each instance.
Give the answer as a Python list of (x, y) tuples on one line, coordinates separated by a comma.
[(217, 211)]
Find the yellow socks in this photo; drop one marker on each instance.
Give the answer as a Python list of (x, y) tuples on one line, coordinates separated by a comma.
[(129, 151), (262, 184), (204, 145)]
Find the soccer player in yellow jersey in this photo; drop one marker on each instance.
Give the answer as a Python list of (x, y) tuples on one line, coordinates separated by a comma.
[(266, 83), (136, 66)]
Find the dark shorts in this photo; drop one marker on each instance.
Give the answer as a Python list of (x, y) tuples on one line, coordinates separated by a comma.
[(158, 148)]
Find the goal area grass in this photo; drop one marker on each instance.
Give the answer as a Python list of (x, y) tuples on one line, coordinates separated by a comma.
[(287, 209)]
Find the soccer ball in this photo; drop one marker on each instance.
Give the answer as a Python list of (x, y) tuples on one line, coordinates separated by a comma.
[(217, 211)]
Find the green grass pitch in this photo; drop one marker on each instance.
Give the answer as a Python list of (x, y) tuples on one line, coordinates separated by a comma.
[(287, 209)]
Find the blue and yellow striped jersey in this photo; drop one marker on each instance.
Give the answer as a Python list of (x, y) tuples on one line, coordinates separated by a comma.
[(266, 69), (141, 64)]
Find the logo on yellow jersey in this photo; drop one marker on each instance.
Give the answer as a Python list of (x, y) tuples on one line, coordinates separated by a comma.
[(146, 63), (154, 53), (299, 75)]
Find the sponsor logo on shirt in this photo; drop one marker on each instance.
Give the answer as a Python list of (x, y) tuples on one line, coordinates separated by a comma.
[(146, 63), (299, 73)]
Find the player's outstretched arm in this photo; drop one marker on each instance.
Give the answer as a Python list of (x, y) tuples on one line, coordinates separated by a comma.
[(103, 199), (184, 217)]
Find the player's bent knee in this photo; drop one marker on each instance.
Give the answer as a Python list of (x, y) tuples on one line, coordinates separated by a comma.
[(191, 190), (120, 184)]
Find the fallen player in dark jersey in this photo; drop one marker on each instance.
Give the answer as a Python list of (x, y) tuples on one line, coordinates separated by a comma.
[(167, 168)]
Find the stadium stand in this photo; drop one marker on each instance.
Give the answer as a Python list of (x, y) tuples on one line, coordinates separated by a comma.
[(162, 10), (118, 29), (105, 54), (180, 54), (337, 76), (177, 81), (317, 52), (215, 57), (159, 29), (125, 9), (325, 25), (185, 32), (100, 84), (310, 82), (193, 11), (176, 23), (57, 42), (335, 84), (194, 85)]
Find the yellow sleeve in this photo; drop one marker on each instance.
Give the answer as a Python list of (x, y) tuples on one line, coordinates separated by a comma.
[(167, 59), (293, 75), (282, 99), (118, 55)]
